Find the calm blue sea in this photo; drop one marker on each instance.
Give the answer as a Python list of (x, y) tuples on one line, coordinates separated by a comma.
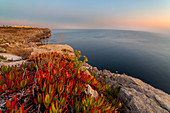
[(143, 55)]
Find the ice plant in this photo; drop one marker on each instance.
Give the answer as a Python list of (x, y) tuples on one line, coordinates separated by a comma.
[(55, 83)]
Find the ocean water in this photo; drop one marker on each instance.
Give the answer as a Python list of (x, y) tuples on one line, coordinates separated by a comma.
[(143, 55)]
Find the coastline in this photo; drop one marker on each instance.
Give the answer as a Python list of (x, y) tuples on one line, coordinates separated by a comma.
[(21, 41), (136, 95), (133, 53)]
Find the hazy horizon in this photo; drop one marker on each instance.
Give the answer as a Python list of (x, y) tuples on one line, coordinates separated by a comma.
[(140, 15)]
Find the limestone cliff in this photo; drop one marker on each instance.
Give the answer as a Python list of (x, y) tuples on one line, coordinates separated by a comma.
[(19, 41), (136, 96)]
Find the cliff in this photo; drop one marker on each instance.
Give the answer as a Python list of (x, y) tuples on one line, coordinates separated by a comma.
[(20, 41), (136, 96)]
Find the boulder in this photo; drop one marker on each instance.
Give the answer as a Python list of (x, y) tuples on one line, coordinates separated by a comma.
[(90, 91), (139, 97), (63, 49)]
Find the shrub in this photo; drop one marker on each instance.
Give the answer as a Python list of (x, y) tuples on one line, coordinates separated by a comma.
[(2, 57), (54, 83)]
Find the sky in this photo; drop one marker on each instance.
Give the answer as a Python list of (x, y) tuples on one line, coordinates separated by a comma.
[(153, 15)]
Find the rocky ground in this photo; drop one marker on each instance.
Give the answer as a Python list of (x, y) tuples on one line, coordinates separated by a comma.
[(18, 60), (21, 41), (136, 96)]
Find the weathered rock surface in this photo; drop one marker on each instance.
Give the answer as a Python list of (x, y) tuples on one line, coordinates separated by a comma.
[(17, 60), (3, 50), (59, 48), (14, 63), (20, 41), (136, 96), (90, 91), (13, 34), (11, 57), (11, 60)]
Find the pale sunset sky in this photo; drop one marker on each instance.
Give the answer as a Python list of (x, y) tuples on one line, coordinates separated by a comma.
[(148, 15)]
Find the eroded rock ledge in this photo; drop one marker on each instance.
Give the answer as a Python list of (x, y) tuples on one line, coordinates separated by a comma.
[(21, 41), (17, 60), (136, 96)]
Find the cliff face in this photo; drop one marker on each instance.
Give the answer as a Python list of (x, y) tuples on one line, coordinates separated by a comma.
[(14, 34), (21, 41), (136, 96)]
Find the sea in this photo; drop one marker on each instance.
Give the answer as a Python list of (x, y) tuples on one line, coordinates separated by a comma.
[(140, 54)]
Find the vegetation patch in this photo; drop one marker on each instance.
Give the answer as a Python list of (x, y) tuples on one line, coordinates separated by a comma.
[(2, 57), (54, 83)]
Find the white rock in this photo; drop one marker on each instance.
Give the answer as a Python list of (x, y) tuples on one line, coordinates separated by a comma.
[(87, 72), (90, 91), (2, 49), (17, 63), (163, 101), (11, 57)]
